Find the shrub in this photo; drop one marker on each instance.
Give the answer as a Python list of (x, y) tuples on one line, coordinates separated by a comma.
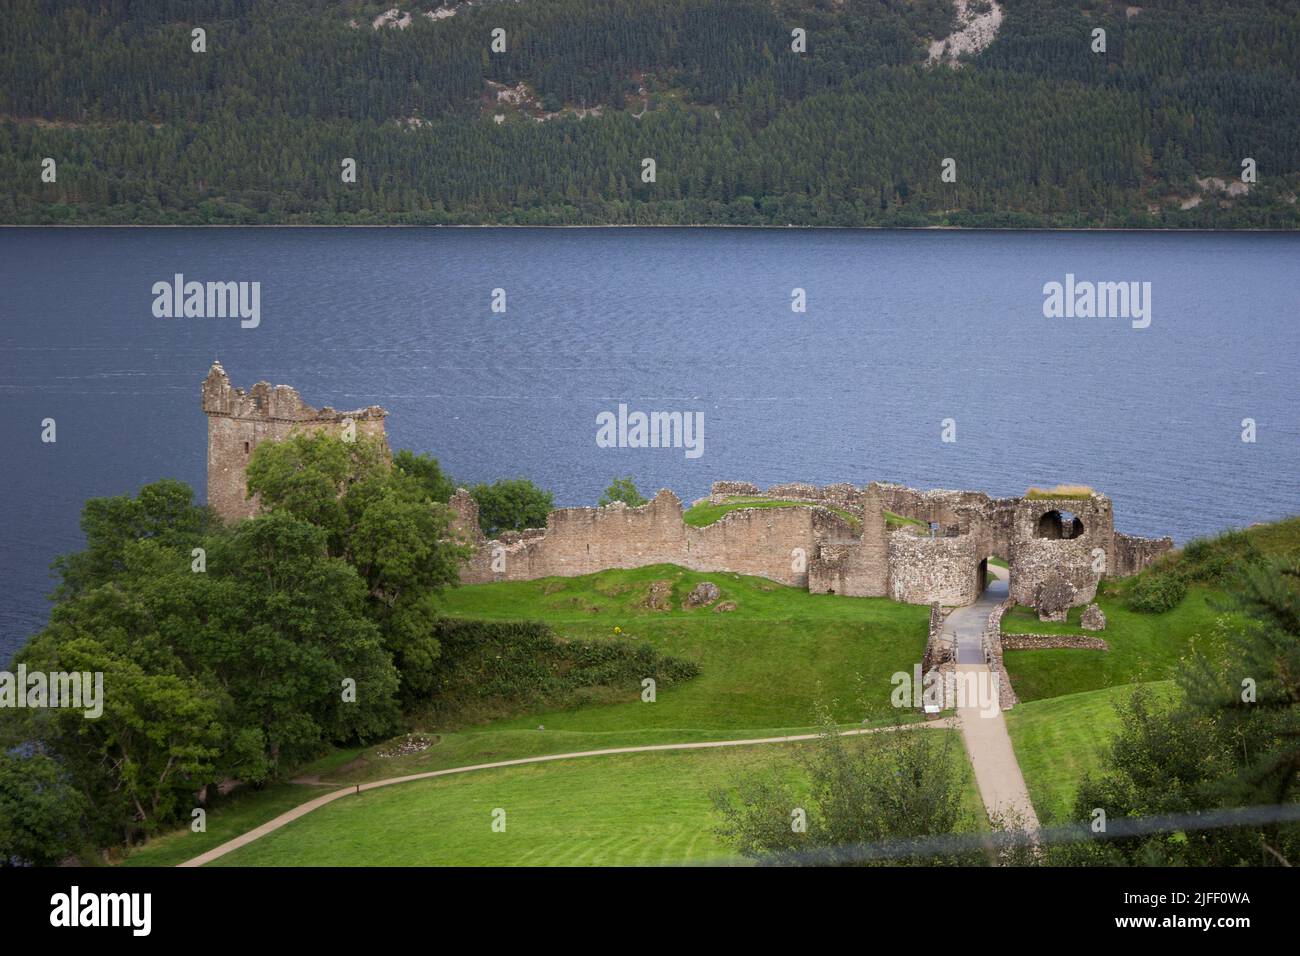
[(508, 665), (1218, 561), (1156, 593)]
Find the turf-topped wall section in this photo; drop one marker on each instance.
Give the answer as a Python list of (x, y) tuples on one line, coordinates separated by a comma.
[(775, 543)]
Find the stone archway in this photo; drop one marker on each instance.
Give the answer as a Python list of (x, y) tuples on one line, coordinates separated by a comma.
[(1057, 525)]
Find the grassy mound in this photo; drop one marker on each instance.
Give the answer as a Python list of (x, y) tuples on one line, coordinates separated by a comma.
[(1214, 562), (762, 668), (762, 665), (489, 668)]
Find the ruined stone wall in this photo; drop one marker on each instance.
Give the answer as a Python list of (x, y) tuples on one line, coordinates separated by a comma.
[(1038, 555), (726, 489), (991, 520), (922, 570), (859, 567), (238, 422), (842, 495), (1036, 560), (808, 546), (916, 569), (991, 639), (1132, 554), (758, 541), (940, 648), (939, 506)]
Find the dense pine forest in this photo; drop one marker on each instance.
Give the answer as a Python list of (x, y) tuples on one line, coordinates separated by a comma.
[(555, 126)]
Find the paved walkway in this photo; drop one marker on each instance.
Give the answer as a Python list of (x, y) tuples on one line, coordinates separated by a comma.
[(997, 772), (984, 730), (967, 623), (303, 809)]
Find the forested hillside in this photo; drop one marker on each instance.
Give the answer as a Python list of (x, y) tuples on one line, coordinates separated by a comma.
[(556, 127)]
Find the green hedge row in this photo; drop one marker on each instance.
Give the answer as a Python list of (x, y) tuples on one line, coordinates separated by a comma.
[(523, 663)]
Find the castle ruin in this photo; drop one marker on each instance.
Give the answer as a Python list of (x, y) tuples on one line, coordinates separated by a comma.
[(238, 422), (881, 540)]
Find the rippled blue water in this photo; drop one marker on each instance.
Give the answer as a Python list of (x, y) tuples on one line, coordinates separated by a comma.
[(903, 330)]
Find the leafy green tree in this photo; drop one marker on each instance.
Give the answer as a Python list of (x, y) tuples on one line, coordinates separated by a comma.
[(284, 628), (158, 738), (1231, 740), (402, 546), (242, 669), (438, 486), (163, 511), (40, 811), (859, 794), (624, 490), (388, 522), (308, 474), (511, 504)]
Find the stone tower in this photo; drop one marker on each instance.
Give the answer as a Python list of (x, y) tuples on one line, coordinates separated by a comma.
[(238, 422)]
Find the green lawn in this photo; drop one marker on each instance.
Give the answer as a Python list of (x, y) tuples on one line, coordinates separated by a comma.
[(1143, 647), (1057, 741), (226, 821), (763, 666), (625, 810), (1278, 538)]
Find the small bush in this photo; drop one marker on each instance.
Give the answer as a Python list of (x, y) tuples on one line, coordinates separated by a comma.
[(1218, 561), (1155, 594)]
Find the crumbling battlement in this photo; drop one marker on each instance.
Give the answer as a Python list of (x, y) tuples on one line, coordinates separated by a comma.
[(814, 547), (1043, 539), (239, 421), (773, 542), (1132, 554)]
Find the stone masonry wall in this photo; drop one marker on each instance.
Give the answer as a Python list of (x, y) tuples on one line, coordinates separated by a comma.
[(922, 570), (758, 541), (1132, 554), (238, 422), (1035, 558), (809, 546), (726, 489), (992, 641), (858, 567)]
